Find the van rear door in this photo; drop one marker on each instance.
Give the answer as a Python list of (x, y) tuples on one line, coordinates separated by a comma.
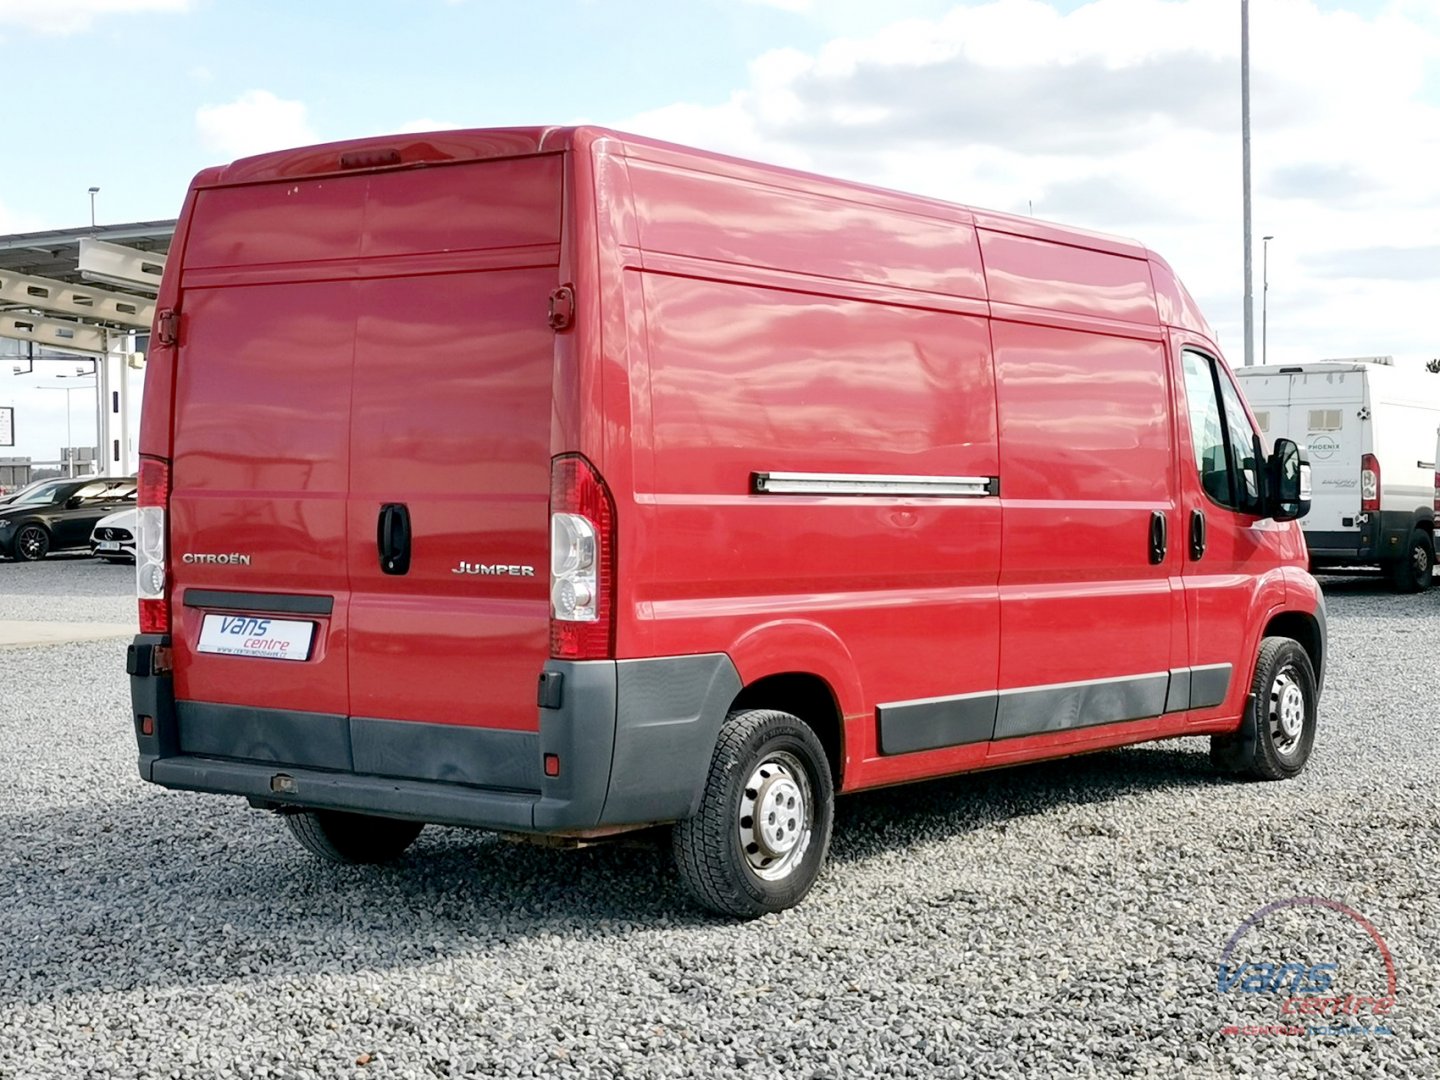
[(450, 444), (1326, 419), (358, 351)]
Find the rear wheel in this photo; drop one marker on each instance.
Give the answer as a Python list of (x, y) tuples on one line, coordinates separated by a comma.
[(1415, 571), (31, 543), (352, 838), (760, 837), (1278, 732)]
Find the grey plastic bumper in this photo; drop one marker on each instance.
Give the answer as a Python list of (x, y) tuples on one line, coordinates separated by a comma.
[(633, 739)]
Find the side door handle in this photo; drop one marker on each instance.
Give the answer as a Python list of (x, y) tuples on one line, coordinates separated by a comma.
[(1159, 537), (392, 538), (1197, 534)]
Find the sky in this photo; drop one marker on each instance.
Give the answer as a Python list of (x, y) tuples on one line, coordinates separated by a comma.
[(1121, 116)]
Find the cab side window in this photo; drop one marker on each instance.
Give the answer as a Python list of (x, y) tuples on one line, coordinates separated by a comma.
[(1223, 438), (1241, 438)]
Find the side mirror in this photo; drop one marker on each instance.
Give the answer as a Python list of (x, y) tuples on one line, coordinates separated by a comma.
[(74, 502), (1289, 487)]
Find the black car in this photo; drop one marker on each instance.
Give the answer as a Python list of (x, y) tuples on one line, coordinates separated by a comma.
[(59, 514)]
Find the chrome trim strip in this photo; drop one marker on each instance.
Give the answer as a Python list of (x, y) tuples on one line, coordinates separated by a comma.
[(792, 483)]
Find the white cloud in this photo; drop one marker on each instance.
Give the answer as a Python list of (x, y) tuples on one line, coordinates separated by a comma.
[(1124, 116), (73, 16), (253, 123)]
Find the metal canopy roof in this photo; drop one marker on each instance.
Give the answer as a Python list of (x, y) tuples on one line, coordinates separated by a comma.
[(55, 253), (64, 289), (85, 294)]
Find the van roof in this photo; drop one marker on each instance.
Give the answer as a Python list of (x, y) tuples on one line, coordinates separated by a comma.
[(416, 149)]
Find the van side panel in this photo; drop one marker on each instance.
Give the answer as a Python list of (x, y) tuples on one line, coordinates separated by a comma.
[(1031, 273), (746, 380), (1086, 461), (775, 323), (823, 231)]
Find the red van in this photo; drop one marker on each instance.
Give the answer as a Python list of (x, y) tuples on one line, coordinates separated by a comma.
[(560, 482)]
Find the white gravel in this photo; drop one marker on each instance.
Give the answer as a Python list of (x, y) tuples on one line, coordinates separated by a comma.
[(1062, 919)]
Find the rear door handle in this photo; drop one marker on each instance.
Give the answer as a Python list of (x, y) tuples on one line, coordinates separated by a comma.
[(1159, 538), (1197, 534), (392, 538)]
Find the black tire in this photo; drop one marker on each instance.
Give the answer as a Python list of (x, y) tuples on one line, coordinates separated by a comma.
[(339, 837), (1415, 572), (1278, 730), (735, 863), (32, 543)]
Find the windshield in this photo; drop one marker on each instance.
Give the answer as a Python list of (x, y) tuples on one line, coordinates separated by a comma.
[(43, 494)]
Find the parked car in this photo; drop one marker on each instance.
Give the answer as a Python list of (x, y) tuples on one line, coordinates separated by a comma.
[(798, 487), (59, 515), (113, 538)]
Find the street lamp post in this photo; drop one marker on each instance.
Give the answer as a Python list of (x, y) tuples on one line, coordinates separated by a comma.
[(1264, 293), (1245, 174), (93, 192)]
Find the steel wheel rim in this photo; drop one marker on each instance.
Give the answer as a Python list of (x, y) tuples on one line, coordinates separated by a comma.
[(1287, 712), (1420, 561), (30, 542), (776, 819)]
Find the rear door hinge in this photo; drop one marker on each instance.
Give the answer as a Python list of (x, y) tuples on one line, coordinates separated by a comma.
[(562, 308), (167, 326)]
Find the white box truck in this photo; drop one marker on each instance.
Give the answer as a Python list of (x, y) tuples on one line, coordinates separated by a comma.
[(1369, 431)]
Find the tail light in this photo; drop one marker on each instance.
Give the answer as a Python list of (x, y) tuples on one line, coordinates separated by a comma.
[(1369, 484), (151, 585), (582, 562)]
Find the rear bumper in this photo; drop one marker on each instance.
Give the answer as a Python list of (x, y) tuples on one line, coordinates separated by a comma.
[(633, 739), (1378, 539)]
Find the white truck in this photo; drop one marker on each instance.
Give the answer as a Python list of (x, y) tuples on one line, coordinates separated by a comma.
[(1369, 431)]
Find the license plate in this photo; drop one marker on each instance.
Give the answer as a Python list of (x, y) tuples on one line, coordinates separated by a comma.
[(107, 545), (254, 635)]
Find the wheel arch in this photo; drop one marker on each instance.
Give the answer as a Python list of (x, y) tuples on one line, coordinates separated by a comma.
[(804, 668), (808, 697), (1305, 629)]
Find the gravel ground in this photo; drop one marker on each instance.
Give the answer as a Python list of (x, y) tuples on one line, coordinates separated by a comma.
[(67, 588), (1060, 919)]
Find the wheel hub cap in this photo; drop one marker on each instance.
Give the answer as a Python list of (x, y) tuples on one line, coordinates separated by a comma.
[(775, 817), (1292, 711), (781, 809)]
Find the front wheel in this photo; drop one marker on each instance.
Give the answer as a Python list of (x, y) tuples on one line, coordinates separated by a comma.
[(338, 837), (760, 837), (1278, 731), (31, 543), (1415, 571)]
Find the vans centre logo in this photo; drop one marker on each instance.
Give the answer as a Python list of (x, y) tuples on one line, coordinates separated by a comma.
[(1306, 966)]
